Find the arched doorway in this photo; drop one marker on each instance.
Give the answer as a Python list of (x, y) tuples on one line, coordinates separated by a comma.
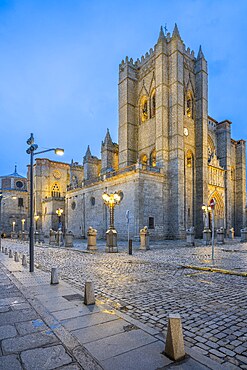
[(219, 211)]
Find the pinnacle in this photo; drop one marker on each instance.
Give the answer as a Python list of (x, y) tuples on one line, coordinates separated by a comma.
[(200, 54), (175, 32), (88, 152), (161, 35)]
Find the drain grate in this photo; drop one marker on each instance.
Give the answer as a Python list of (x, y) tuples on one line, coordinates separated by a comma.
[(73, 297)]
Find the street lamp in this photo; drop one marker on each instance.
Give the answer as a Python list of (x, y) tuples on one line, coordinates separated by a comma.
[(206, 232), (59, 212), (112, 200), (31, 150), (36, 222), (23, 224)]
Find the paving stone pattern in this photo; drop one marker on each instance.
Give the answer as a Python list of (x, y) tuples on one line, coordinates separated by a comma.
[(25, 341), (150, 285)]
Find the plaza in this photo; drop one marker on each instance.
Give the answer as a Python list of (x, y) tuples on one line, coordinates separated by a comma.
[(169, 278)]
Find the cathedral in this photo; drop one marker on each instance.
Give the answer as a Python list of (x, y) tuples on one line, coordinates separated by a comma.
[(170, 159)]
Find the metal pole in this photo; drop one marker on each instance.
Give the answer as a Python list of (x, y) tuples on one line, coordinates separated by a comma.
[(31, 236), (130, 246), (111, 217), (212, 234)]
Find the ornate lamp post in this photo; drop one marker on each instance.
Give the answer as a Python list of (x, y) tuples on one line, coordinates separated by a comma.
[(13, 226), (59, 212), (31, 150), (111, 200)]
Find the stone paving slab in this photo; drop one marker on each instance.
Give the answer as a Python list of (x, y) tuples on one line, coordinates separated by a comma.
[(31, 326), (10, 362), (96, 332), (147, 358), (75, 312), (18, 344), (45, 358), (7, 331), (88, 320), (114, 345)]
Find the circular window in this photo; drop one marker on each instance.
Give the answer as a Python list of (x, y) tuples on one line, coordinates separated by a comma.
[(92, 201), (19, 184), (73, 205)]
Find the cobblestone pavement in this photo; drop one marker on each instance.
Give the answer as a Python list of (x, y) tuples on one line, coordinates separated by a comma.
[(151, 284)]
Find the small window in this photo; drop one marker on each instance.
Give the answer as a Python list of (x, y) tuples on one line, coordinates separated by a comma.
[(73, 205), (19, 184), (92, 200), (20, 202), (152, 104), (151, 222)]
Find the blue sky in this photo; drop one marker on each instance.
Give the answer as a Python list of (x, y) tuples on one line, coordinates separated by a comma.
[(59, 66)]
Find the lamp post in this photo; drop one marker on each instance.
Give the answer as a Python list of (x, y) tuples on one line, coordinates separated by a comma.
[(13, 226), (59, 212), (111, 200), (31, 150), (36, 218), (23, 224)]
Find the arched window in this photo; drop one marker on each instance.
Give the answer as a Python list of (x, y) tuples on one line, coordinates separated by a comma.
[(144, 161), (152, 104), (189, 159), (211, 148), (153, 158), (55, 192), (189, 104), (144, 109)]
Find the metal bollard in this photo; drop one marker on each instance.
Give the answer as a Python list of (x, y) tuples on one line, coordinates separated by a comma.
[(130, 247), (24, 260)]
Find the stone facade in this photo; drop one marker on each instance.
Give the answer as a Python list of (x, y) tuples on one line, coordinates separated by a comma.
[(171, 157), (14, 207)]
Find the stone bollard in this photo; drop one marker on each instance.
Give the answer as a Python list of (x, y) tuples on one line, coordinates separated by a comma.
[(111, 241), (59, 238), (13, 235), (89, 297), (52, 239), (16, 257), (20, 235), (220, 236), (54, 276), (91, 239), (206, 236), (174, 348), (144, 236), (69, 236), (36, 236), (6, 250), (2, 249), (41, 238), (190, 236), (24, 260), (231, 233), (10, 254), (244, 235), (25, 236)]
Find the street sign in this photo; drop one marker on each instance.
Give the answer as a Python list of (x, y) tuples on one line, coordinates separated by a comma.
[(127, 216)]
